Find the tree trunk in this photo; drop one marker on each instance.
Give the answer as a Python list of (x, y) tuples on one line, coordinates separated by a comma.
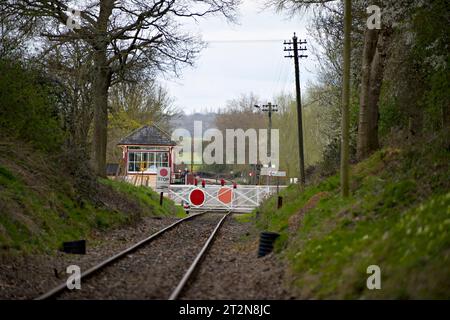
[(100, 86), (365, 115), (346, 100), (373, 63)]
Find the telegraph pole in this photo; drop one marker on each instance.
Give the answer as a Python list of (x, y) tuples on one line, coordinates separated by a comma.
[(269, 108), (295, 42)]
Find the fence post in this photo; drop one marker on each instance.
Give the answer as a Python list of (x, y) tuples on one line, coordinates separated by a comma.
[(280, 202)]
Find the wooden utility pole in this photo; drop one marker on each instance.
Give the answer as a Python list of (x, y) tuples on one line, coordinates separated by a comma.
[(295, 42), (269, 108), (269, 111), (346, 100), (192, 157)]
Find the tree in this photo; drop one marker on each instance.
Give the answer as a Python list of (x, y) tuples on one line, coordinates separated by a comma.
[(374, 56), (327, 29), (377, 45), (70, 65), (132, 106), (12, 34), (285, 121), (240, 113), (29, 100), (373, 64), (120, 35), (400, 71), (346, 100), (429, 56)]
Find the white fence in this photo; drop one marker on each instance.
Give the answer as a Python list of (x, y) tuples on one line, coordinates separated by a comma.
[(217, 198)]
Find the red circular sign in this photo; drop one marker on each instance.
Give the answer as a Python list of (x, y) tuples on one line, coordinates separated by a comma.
[(225, 195), (163, 172), (197, 197)]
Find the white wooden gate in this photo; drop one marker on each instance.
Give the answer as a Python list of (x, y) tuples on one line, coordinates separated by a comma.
[(217, 198)]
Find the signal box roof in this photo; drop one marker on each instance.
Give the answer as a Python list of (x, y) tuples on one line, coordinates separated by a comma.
[(148, 135)]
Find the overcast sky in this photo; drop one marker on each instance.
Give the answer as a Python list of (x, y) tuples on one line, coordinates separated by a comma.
[(242, 58)]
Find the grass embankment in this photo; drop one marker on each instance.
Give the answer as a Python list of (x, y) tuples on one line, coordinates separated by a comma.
[(147, 198), (398, 218), (40, 207)]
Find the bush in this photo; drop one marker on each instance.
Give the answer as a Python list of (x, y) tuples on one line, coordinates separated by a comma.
[(28, 107)]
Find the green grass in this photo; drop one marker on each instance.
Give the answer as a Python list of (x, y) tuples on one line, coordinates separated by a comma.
[(398, 217), (244, 217), (38, 218), (30, 221), (147, 198)]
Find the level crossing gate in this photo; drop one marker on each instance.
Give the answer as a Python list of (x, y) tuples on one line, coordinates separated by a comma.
[(217, 198)]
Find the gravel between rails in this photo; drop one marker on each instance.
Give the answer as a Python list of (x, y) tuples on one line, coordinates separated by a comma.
[(153, 271), (231, 269)]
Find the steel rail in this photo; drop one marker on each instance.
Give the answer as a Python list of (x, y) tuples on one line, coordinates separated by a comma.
[(63, 286), (181, 285)]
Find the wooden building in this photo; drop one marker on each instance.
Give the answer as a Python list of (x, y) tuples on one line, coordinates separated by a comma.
[(143, 151)]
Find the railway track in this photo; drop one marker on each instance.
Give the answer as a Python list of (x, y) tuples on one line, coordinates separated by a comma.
[(128, 268)]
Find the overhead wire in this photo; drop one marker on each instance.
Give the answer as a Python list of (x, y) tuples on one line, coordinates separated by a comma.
[(243, 40)]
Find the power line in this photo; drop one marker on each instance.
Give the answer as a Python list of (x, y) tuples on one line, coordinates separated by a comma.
[(278, 64), (242, 41)]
